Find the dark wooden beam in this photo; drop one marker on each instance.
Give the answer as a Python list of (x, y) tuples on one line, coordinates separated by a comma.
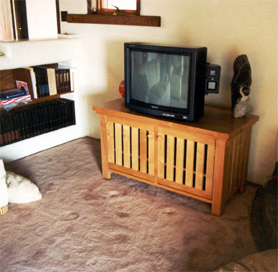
[(115, 19)]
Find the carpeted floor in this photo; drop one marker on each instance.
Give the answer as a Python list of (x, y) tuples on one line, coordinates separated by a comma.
[(86, 223)]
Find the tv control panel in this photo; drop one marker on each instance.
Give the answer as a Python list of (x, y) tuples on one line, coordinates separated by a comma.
[(212, 78)]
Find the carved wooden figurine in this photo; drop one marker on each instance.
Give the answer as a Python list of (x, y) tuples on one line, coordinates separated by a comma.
[(240, 86)]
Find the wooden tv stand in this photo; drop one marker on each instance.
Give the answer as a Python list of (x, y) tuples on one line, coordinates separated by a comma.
[(206, 160)]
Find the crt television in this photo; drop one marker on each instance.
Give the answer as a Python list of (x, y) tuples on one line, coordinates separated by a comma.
[(165, 81)]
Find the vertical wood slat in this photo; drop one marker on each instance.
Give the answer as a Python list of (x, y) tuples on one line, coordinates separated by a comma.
[(170, 158), (161, 153), (200, 165), (179, 160), (118, 143), (210, 167), (151, 153), (126, 144), (110, 140), (143, 151), (134, 148), (189, 163)]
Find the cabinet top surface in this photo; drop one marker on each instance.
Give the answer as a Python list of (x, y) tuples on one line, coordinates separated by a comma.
[(219, 122)]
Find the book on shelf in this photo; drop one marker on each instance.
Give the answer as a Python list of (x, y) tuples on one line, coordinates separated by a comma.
[(28, 19), (51, 75), (20, 19), (16, 100), (33, 82), (25, 75), (63, 80), (41, 81), (60, 79), (42, 19), (6, 21), (12, 93)]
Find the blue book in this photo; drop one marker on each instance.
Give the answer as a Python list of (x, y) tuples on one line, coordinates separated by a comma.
[(13, 93)]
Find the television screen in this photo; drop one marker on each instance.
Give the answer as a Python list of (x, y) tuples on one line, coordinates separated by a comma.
[(160, 78)]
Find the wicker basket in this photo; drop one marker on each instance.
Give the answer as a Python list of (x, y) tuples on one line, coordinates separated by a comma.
[(4, 210)]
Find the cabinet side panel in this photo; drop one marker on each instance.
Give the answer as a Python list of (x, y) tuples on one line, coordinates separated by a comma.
[(246, 148), (236, 163)]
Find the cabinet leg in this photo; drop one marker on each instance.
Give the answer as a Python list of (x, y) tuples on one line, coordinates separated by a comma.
[(105, 173), (104, 148), (217, 208)]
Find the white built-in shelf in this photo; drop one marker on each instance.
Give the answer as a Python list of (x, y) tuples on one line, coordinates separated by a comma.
[(34, 52)]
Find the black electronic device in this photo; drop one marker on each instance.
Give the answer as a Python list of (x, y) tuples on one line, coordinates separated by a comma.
[(212, 78)]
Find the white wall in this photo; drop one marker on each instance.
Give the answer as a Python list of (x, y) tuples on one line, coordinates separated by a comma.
[(227, 27)]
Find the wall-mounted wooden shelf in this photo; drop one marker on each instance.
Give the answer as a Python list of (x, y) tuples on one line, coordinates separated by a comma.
[(136, 20)]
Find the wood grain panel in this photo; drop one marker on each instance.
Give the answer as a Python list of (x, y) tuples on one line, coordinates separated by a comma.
[(143, 151), (179, 160), (210, 167), (104, 146), (126, 144), (151, 153), (170, 158), (110, 140), (135, 148), (118, 144), (189, 163), (161, 154), (200, 166)]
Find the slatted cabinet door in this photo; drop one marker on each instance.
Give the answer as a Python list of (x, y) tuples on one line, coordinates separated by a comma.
[(185, 162), (131, 147)]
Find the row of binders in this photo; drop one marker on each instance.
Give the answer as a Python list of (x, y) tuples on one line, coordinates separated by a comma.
[(28, 121)]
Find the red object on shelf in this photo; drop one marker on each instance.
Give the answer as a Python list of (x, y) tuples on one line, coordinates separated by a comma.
[(122, 88)]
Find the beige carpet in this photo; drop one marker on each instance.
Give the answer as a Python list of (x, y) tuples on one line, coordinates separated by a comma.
[(86, 223)]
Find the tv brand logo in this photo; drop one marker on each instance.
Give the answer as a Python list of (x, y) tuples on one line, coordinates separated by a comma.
[(168, 115)]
